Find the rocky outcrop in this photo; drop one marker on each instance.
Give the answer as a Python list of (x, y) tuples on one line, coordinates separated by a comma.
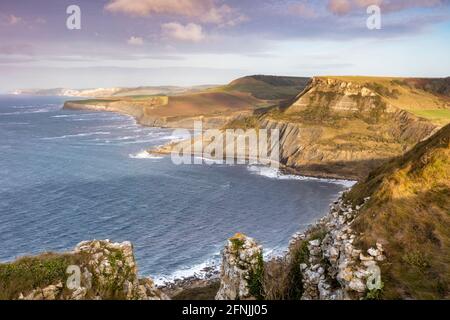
[(336, 95), (241, 270), (336, 268), (104, 270)]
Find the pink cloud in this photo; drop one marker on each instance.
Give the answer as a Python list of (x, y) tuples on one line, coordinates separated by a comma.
[(10, 20), (303, 10), (342, 7), (135, 41), (206, 11), (190, 32), (406, 4)]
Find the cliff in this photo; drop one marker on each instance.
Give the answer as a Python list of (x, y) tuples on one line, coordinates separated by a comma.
[(340, 127), (409, 213), (241, 270), (387, 238), (94, 270)]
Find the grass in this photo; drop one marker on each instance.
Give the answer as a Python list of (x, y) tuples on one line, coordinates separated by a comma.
[(29, 273), (409, 212), (267, 87), (256, 279), (93, 101), (245, 123), (439, 116)]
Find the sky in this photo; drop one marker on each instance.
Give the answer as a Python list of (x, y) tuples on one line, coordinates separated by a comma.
[(126, 43)]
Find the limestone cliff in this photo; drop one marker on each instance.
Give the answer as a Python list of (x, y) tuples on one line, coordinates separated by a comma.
[(241, 270), (340, 127), (386, 238), (94, 270)]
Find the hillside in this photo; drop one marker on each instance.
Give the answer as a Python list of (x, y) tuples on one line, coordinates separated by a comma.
[(216, 108), (180, 109), (112, 92), (105, 271), (409, 212), (344, 127), (268, 87), (350, 125), (339, 127)]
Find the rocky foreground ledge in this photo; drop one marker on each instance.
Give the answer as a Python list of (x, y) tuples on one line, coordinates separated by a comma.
[(94, 270), (322, 263)]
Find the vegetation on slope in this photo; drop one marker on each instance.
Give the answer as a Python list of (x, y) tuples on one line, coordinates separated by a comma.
[(29, 273), (268, 87), (426, 98), (409, 212)]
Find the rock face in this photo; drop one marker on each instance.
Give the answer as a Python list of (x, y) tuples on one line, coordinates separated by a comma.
[(105, 270), (336, 269), (241, 270)]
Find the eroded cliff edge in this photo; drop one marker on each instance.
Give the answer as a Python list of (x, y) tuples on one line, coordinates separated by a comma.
[(338, 127), (94, 270), (386, 238)]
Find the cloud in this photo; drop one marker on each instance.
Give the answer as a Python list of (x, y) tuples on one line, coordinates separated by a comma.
[(343, 7), (398, 5), (303, 10), (10, 20), (135, 41), (190, 32), (205, 11), (339, 7), (17, 49), (41, 20)]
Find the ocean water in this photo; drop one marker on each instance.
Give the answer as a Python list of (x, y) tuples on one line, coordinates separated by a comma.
[(68, 176)]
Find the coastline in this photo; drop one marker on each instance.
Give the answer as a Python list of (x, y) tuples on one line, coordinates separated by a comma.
[(195, 284)]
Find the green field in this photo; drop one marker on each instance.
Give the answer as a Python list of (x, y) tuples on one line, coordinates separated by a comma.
[(439, 116)]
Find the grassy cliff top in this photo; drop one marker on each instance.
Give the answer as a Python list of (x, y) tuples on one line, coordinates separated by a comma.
[(427, 98), (409, 212), (268, 87)]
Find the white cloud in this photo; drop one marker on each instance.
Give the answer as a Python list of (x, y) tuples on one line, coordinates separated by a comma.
[(190, 32), (41, 20), (135, 41)]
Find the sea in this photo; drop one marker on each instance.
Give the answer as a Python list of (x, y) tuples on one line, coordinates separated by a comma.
[(68, 176)]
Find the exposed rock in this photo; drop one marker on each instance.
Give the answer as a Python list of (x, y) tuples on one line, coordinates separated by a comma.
[(241, 269), (334, 259), (105, 270)]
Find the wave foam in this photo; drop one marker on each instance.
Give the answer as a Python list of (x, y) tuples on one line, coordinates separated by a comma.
[(40, 110), (274, 173), (144, 155), (208, 268), (87, 134), (202, 270)]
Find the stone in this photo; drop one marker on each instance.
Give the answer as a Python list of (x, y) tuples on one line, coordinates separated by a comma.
[(373, 252), (98, 256), (240, 258), (357, 285), (79, 294), (50, 292), (380, 258), (364, 258)]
